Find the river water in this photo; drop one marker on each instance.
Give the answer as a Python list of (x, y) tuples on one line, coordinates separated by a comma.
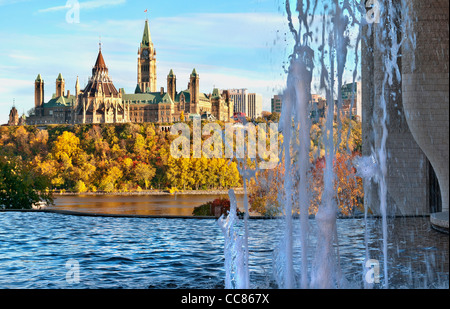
[(40, 250), (159, 205)]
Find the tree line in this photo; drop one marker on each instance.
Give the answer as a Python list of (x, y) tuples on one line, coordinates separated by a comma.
[(112, 158), (133, 157)]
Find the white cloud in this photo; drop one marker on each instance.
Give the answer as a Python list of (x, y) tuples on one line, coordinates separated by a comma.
[(54, 9), (235, 30), (88, 5), (10, 86), (6, 2), (22, 57), (20, 91)]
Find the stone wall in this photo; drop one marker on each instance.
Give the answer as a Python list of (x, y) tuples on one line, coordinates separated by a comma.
[(425, 73), (406, 163)]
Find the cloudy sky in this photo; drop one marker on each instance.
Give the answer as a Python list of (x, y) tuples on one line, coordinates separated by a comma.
[(231, 44)]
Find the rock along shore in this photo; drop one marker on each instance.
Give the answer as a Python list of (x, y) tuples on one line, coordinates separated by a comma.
[(155, 192)]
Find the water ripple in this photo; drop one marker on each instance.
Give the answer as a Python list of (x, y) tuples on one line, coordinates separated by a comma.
[(178, 253)]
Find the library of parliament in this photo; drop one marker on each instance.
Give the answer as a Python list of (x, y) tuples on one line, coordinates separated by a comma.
[(101, 102)]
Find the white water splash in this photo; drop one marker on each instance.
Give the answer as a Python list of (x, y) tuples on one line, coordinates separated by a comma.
[(367, 167), (236, 267), (325, 270)]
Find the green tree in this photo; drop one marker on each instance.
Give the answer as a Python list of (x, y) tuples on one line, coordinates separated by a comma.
[(21, 186)]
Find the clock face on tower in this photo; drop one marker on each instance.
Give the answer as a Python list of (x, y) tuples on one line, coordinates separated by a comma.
[(145, 54)]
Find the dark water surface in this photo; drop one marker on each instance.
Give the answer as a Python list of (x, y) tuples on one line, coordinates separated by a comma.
[(38, 249)]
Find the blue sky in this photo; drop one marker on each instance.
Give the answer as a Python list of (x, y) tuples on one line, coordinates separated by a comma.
[(232, 44)]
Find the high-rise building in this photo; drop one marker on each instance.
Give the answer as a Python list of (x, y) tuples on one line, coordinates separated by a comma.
[(240, 99), (246, 103), (351, 99), (254, 105), (317, 105), (276, 103)]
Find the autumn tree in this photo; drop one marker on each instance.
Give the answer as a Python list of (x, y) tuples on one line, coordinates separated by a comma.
[(144, 173), (266, 191), (112, 157)]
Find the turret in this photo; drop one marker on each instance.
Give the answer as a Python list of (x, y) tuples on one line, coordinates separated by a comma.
[(39, 91), (60, 85), (172, 85), (77, 87), (194, 87)]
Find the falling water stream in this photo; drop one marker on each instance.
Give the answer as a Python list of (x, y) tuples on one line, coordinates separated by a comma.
[(324, 53)]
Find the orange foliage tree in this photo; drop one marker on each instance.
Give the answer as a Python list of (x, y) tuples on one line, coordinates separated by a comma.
[(266, 191), (347, 186)]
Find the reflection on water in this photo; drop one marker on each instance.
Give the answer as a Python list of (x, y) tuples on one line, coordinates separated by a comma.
[(171, 205), (184, 253)]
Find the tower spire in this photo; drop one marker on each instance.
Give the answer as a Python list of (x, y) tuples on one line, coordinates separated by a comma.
[(147, 62), (146, 37), (77, 87)]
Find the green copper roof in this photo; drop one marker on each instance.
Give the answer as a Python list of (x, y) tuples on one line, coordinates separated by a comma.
[(147, 98), (39, 78), (216, 93), (187, 96), (60, 78), (194, 72), (138, 89), (171, 73), (60, 101), (146, 38)]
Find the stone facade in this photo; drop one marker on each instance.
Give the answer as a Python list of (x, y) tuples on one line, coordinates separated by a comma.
[(14, 119), (101, 102), (147, 62), (425, 73), (408, 168)]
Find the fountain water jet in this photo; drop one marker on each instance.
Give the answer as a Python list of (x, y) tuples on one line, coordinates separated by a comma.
[(337, 19)]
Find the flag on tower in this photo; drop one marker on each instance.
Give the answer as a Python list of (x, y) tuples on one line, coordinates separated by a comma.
[(145, 11)]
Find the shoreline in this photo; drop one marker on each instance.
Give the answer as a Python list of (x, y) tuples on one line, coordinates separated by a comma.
[(116, 215), (237, 191)]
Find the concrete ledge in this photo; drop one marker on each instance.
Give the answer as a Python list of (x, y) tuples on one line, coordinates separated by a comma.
[(439, 221)]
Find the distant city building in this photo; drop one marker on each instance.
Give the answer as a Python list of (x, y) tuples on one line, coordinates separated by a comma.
[(240, 99), (317, 105), (351, 99), (351, 94), (254, 105), (276, 103), (101, 102), (249, 104)]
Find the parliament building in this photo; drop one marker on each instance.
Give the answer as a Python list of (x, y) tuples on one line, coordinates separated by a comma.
[(101, 102)]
